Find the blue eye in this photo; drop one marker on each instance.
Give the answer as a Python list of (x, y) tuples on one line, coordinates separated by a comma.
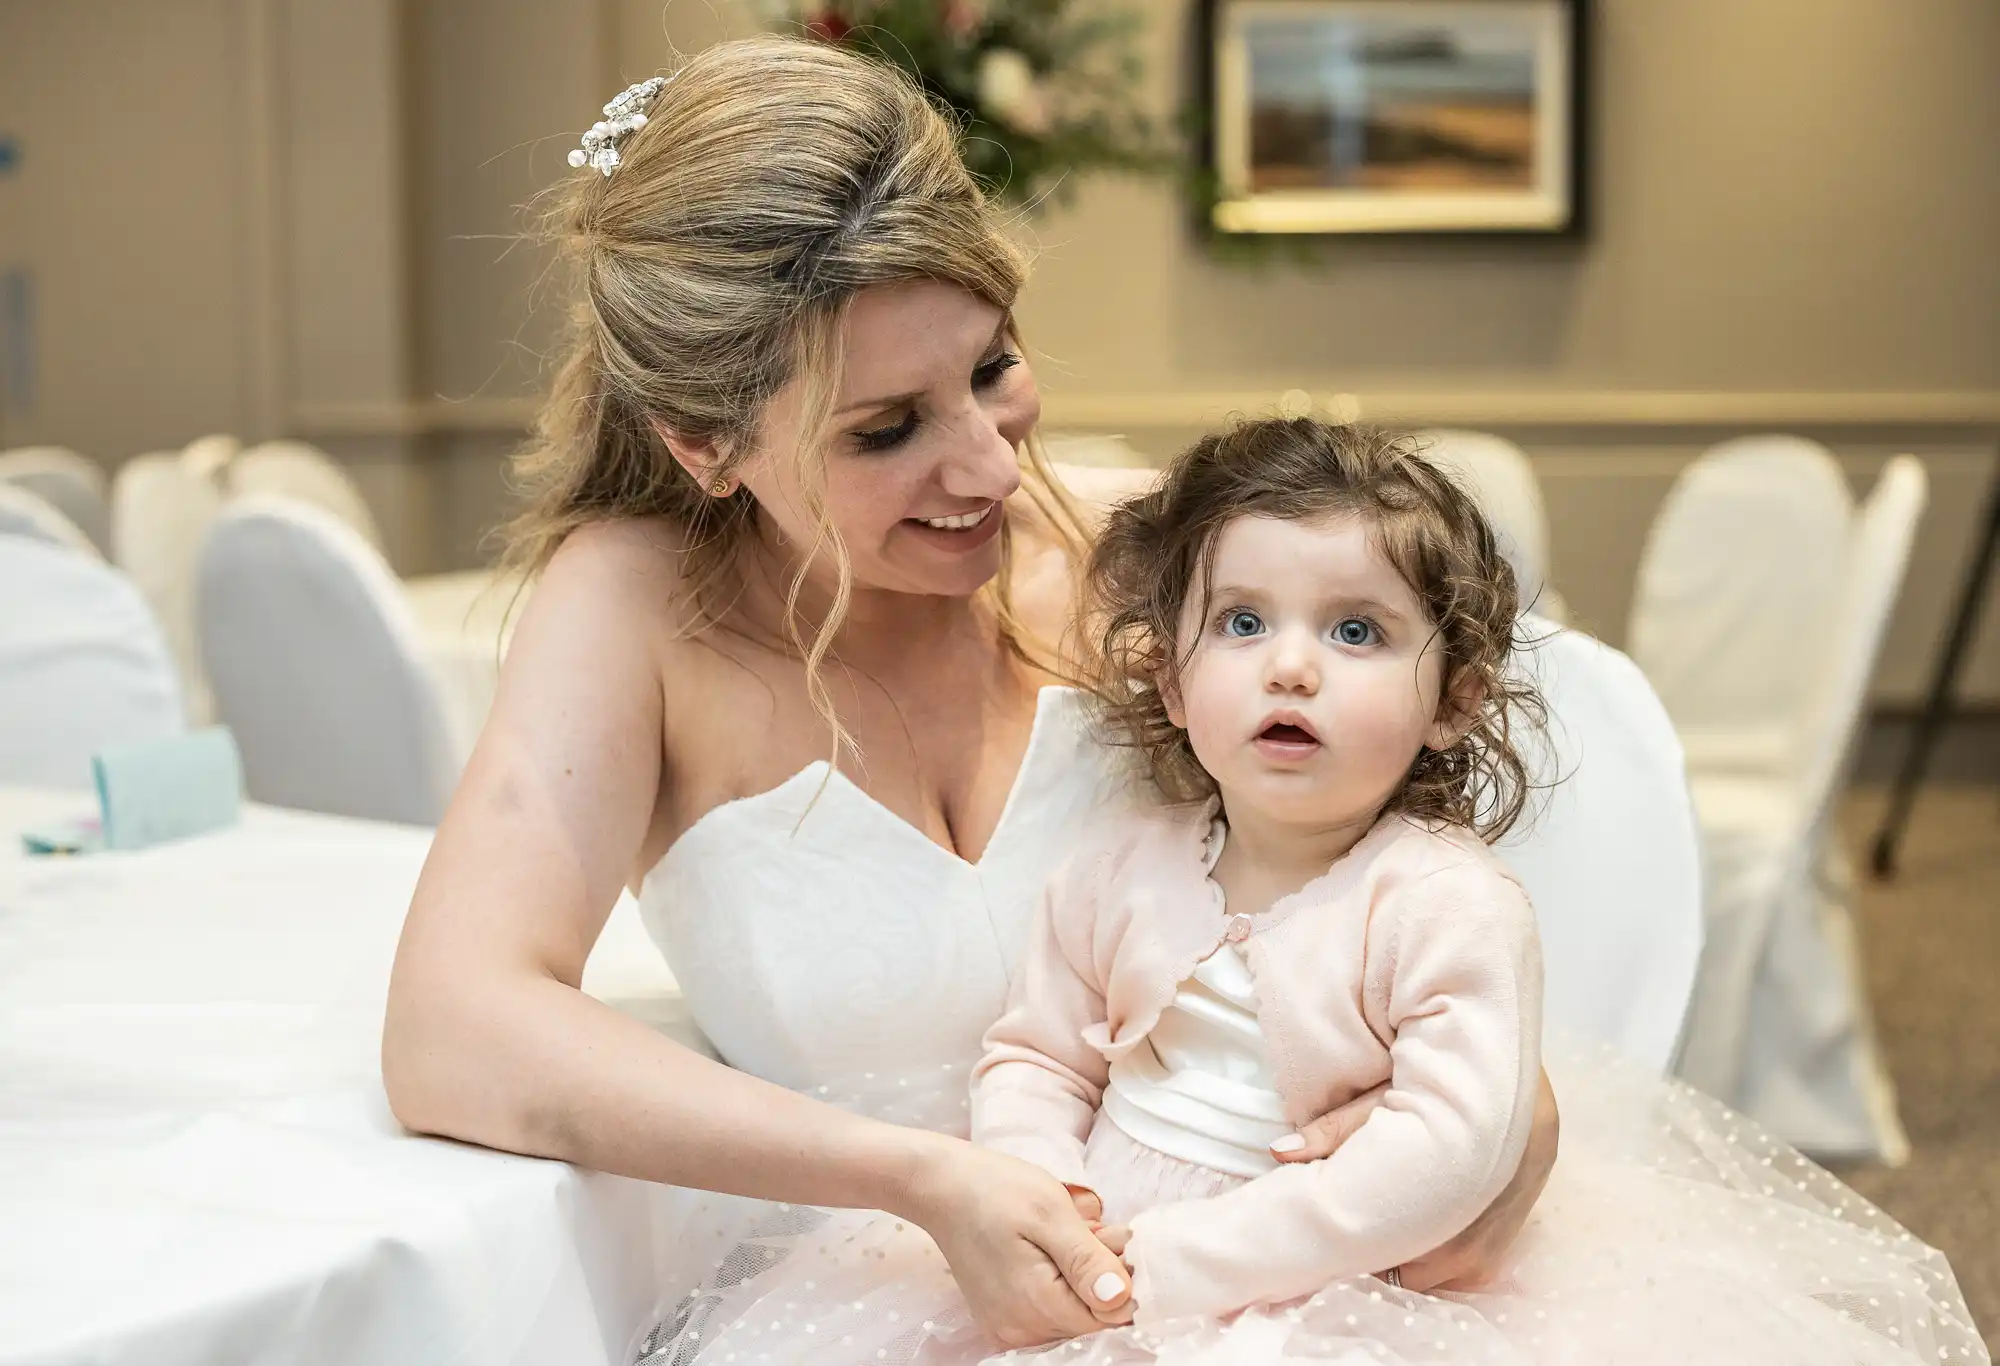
[(1241, 623), (1356, 631)]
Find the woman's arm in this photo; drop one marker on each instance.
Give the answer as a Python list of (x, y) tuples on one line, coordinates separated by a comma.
[(489, 1038)]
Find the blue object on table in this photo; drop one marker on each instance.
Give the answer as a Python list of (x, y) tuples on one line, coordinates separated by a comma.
[(169, 789), (83, 836)]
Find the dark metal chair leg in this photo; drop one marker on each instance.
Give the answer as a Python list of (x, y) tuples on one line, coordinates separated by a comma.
[(1971, 598)]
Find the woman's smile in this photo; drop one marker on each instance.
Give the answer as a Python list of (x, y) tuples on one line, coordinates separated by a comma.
[(960, 531)]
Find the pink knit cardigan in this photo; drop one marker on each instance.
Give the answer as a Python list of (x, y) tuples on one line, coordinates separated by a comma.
[(1413, 960)]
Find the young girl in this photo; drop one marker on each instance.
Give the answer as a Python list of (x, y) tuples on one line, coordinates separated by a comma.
[(1303, 635)]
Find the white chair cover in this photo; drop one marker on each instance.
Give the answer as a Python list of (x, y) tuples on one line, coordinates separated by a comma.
[(459, 615), (1878, 558), (294, 469), (82, 666), (1781, 1026), (161, 509), (1608, 851), (1497, 474), (1737, 595), (209, 456), (27, 514), (73, 483), (318, 667)]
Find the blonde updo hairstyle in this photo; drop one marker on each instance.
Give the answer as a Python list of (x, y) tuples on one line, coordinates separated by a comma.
[(775, 179)]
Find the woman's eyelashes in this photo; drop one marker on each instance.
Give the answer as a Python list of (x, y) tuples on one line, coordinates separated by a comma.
[(990, 372), (883, 438), (986, 376)]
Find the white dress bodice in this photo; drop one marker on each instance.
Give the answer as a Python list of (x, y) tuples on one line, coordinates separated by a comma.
[(818, 938), (1199, 1087)]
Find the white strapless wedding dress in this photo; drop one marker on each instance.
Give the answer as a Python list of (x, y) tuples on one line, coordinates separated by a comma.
[(818, 937), (824, 943)]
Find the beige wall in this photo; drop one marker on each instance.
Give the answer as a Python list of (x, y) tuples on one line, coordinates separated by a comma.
[(500, 85), (128, 213), (1789, 195), (1795, 203)]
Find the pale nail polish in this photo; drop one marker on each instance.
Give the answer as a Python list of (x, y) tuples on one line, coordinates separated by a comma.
[(1290, 1143), (1107, 1286)]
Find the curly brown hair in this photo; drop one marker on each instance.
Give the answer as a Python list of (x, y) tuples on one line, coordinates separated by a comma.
[(1158, 550)]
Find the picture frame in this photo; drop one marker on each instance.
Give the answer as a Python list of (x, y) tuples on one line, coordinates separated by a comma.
[(1395, 117)]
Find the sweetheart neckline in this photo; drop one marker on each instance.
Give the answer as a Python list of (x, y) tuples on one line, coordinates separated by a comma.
[(819, 770)]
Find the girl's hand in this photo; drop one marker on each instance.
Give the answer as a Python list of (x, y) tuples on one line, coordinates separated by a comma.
[(1030, 1267), (1474, 1256)]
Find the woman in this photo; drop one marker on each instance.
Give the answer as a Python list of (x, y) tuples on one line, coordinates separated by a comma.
[(788, 512)]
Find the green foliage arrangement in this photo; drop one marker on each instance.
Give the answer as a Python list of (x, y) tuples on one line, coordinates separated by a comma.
[(1046, 90)]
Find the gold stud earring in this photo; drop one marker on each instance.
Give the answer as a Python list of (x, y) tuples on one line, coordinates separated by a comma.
[(721, 487)]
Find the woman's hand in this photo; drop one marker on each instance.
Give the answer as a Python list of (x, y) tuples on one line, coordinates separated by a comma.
[(1030, 1266), (1473, 1256)]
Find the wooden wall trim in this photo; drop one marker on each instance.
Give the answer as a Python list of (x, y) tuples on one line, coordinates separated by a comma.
[(1465, 408)]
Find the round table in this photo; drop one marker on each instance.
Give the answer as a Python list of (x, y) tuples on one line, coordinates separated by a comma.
[(197, 1161)]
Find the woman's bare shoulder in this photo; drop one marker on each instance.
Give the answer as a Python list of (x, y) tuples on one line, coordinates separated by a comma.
[(617, 571), (644, 548), (612, 594)]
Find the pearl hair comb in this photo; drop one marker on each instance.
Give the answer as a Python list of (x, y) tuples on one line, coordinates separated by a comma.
[(624, 116)]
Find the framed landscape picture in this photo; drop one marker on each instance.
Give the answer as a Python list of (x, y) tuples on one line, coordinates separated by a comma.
[(1396, 116)]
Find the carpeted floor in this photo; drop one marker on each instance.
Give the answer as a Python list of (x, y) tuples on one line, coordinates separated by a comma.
[(1931, 941)]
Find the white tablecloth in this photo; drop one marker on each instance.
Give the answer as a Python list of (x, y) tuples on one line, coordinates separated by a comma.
[(197, 1163)]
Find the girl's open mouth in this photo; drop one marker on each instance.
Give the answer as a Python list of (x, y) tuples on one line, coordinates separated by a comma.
[(1286, 740)]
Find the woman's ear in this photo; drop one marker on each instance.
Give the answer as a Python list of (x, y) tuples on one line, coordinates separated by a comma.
[(702, 461), (1458, 711)]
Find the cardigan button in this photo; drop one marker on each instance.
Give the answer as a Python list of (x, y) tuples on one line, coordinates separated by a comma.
[(1239, 929)]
